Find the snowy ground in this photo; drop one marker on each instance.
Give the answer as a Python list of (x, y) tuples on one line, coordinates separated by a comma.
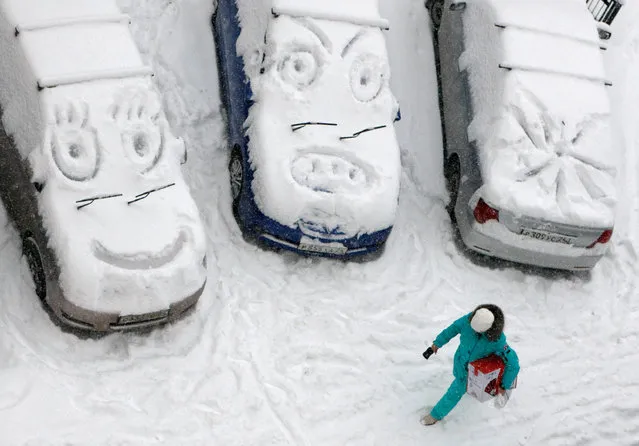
[(290, 351)]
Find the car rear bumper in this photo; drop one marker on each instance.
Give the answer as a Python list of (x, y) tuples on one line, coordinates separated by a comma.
[(492, 246)]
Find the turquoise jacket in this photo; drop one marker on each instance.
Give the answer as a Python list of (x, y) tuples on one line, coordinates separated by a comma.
[(473, 345)]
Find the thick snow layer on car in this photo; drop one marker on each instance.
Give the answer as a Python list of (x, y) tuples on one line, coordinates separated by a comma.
[(255, 15), (542, 112), (363, 12), (331, 175), (98, 141)]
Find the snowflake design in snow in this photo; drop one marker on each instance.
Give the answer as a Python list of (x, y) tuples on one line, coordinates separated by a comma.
[(563, 158)]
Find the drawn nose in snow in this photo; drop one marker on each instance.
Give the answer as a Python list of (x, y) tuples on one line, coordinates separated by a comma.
[(329, 173)]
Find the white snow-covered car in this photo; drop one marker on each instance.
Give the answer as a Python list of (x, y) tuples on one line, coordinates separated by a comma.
[(528, 153), (315, 162), (91, 171)]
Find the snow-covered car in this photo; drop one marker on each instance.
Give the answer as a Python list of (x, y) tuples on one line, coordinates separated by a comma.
[(314, 164), (528, 154), (91, 173)]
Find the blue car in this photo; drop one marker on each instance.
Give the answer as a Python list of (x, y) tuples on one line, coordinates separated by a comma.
[(315, 164)]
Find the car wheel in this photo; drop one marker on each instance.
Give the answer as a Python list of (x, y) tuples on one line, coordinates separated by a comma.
[(31, 251), (236, 176), (436, 11), (452, 172)]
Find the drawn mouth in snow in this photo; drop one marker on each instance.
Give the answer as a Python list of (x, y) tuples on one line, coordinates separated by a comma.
[(141, 260), (331, 173)]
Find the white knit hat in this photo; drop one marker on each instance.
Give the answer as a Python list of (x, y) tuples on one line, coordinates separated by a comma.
[(482, 320)]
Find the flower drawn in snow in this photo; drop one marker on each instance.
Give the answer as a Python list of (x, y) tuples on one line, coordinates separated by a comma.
[(563, 157), (74, 142), (137, 114)]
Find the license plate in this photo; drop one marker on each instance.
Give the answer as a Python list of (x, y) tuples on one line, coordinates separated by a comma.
[(323, 248), (548, 237)]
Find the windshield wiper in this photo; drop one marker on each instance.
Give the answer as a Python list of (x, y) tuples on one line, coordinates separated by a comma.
[(356, 134), (143, 195), (88, 201), (301, 125)]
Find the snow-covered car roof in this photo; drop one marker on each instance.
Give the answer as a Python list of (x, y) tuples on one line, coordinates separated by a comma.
[(100, 51), (542, 111), (361, 12)]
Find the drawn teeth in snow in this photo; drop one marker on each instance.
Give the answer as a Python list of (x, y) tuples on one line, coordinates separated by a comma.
[(329, 173), (74, 141)]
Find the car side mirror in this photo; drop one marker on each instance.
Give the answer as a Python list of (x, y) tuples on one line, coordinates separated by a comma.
[(457, 6), (398, 117), (604, 35), (185, 155), (37, 169)]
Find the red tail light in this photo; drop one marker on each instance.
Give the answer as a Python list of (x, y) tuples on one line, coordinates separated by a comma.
[(603, 238), (483, 212)]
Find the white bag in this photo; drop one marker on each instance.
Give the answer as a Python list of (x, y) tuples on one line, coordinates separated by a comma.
[(502, 398)]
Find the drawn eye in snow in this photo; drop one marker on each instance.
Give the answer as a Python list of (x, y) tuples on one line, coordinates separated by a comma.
[(367, 77), (142, 138), (299, 68), (74, 144)]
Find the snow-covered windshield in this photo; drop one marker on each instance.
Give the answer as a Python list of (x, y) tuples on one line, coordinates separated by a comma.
[(322, 139)]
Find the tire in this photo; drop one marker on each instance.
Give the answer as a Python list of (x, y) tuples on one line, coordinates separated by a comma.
[(33, 255), (236, 178), (452, 172), (436, 10)]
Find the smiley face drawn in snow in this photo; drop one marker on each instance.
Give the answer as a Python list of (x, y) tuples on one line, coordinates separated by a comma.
[(112, 150)]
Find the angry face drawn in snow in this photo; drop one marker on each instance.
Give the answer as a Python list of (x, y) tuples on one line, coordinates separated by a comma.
[(110, 168), (323, 147)]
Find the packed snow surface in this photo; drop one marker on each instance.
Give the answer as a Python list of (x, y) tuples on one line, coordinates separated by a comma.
[(101, 138), (542, 110), (335, 73), (290, 351)]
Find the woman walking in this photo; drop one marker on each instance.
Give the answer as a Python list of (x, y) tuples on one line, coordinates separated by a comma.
[(481, 334)]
